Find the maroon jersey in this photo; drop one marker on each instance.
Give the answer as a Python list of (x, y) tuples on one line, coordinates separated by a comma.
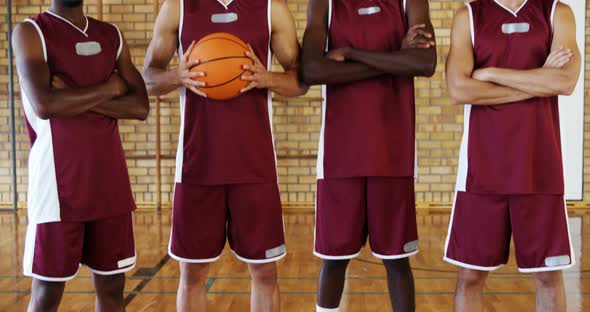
[(513, 148), (226, 142), (77, 169), (367, 126)]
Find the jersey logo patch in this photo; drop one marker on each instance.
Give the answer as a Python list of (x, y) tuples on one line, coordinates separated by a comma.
[(369, 11), (224, 18), (88, 48), (557, 261), (513, 28)]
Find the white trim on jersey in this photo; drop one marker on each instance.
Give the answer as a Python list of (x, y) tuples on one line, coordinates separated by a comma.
[(41, 36), (259, 261), (182, 91), (72, 24), (320, 159), (120, 41), (268, 92), (553, 11), (225, 5), (405, 6), (515, 13), (43, 200), (471, 24), (461, 184)]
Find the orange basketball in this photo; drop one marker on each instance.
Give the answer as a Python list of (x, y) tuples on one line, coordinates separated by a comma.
[(221, 57)]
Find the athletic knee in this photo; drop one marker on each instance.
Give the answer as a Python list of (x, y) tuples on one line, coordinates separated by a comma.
[(193, 275), (397, 266), (110, 286), (471, 279), (548, 279), (46, 296), (264, 273), (334, 266)]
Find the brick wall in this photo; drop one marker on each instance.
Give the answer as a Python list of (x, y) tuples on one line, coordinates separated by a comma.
[(296, 121)]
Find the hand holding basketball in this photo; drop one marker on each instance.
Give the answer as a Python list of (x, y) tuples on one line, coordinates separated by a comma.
[(185, 75), (558, 58), (260, 77)]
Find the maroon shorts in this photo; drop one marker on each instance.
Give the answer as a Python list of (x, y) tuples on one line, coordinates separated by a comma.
[(481, 226), (350, 209), (249, 215), (54, 251)]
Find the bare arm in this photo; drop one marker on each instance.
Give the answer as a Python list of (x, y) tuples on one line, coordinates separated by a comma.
[(316, 67), (407, 61), (546, 81), (463, 89), (285, 46), (35, 78), (158, 77), (134, 104)]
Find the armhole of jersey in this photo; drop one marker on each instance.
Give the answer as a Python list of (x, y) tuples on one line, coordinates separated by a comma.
[(329, 23), (120, 41), (471, 24), (405, 6), (553, 12), (180, 24), (269, 21), (40, 32)]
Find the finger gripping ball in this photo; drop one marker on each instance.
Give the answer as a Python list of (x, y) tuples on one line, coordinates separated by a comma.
[(221, 57)]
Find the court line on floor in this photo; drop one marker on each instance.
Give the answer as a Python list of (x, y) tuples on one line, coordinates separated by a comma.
[(147, 274)]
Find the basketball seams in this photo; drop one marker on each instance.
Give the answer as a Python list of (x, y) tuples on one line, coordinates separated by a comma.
[(220, 59), (224, 83), (223, 38)]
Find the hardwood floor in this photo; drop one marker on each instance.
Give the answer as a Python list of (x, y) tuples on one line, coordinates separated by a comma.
[(151, 286)]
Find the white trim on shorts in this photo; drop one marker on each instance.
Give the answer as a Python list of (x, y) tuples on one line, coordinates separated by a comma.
[(548, 269), (106, 273), (393, 257), (326, 257), (186, 260), (471, 266), (52, 279), (259, 261)]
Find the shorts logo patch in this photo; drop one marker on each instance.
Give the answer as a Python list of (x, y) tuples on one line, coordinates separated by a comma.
[(88, 48), (369, 11), (275, 252), (224, 18), (126, 262), (411, 246), (513, 28), (557, 261)]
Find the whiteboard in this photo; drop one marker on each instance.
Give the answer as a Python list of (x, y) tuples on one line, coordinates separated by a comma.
[(571, 111)]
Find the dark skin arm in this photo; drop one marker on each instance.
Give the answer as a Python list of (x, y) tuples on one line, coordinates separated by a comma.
[(418, 60), (134, 104), (35, 79), (316, 67)]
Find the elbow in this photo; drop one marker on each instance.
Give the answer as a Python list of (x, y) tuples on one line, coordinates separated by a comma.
[(567, 88), (144, 112), (309, 74), (43, 113), (429, 69), (458, 96)]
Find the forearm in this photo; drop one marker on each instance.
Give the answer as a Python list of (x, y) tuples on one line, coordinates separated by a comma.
[(160, 81), (325, 71), (131, 106), (471, 91), (287, 84), (541, 82), (405, 62), (72, 102)]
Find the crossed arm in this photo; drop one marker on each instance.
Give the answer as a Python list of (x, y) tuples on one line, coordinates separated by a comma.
[(161, 80), (122, 96), (493, 86), (416, 58)]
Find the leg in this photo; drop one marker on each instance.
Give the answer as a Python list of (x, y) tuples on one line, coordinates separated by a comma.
[(550, 292), (109, 292), (265, 287), (331, 283), (45, 296), (191, 289), (468, 297), (401, 284)]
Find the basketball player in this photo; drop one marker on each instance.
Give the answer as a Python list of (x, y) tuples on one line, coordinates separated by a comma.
[(77, 80), (225, 166), (509, 60), (366, 156)]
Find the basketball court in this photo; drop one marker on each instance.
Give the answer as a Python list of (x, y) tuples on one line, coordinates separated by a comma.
[(150, 149)]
